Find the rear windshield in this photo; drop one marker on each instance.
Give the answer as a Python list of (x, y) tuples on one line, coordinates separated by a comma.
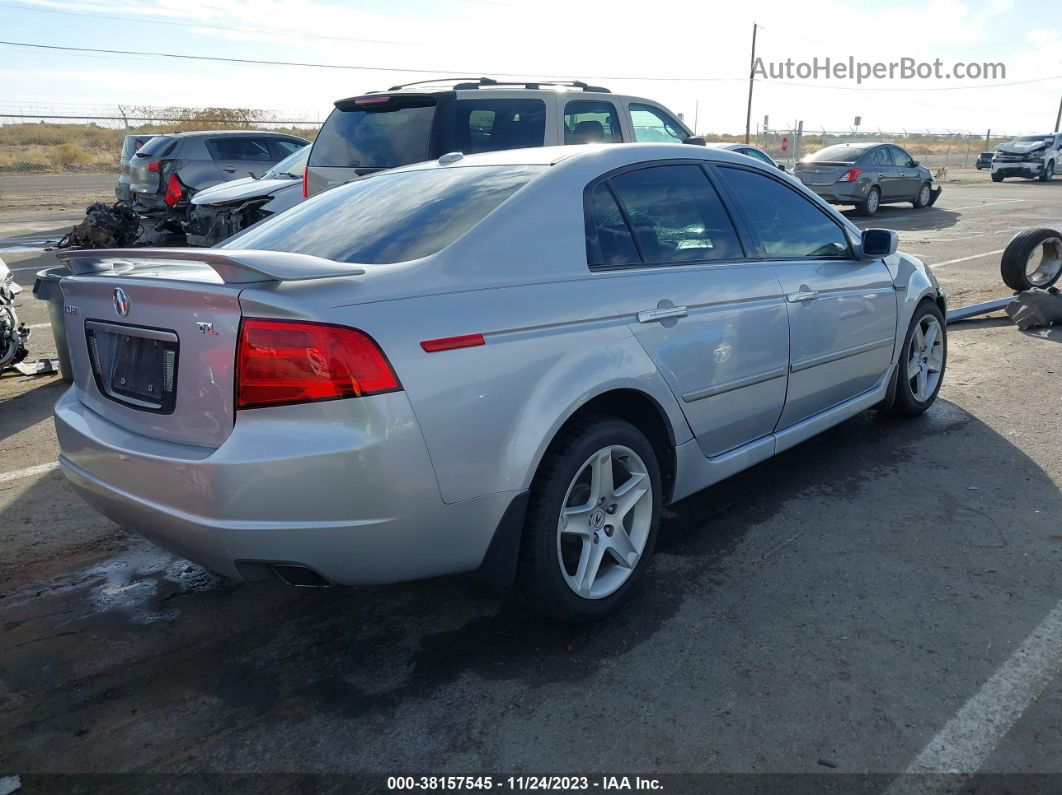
[(159, 145), (389, 217), (385, 138), (838, 154)]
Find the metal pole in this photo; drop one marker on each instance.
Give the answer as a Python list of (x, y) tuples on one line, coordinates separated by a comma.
[(696, 115), (987, 136), (752, 75), (1058, 118)]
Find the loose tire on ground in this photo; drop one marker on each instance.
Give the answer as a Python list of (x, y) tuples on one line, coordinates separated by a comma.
[(551, 554), (1020, 267), (922, 361)]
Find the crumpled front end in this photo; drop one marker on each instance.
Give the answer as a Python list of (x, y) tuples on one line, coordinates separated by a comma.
[(209, 224)]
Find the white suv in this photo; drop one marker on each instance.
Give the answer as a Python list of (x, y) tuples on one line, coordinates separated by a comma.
[(1029, 156), (413, 123)]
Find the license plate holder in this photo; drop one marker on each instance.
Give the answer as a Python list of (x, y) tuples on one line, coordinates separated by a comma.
[(137, 368)]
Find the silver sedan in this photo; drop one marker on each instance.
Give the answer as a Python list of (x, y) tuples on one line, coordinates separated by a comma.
[(504, 364)]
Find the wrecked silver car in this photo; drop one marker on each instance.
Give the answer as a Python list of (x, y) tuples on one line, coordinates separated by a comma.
[(223, 210)]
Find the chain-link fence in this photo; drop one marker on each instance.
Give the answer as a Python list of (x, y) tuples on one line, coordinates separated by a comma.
[(92, 144), (934, 150)]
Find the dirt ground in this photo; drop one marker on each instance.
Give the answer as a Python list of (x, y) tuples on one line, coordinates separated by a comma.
[(841, 610)]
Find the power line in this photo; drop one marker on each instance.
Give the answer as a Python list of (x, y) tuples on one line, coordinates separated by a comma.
[(274, 31)]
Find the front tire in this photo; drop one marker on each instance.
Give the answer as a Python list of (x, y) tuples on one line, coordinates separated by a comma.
[(1049, 172), (925, 194), (920, 369), (592, 520), (997, 178), (870, 205)]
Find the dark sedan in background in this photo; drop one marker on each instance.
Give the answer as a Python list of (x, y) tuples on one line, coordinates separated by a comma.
[(984, 160), (867, 175)]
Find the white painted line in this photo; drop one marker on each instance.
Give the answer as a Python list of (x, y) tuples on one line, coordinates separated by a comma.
[(987, 204), (965, 259), (28, 472), (31, 268), (968, 739)]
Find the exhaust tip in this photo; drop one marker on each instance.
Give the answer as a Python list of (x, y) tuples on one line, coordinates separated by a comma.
[(299, 576)]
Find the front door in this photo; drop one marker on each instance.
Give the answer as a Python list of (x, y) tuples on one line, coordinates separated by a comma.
[(842, 311), (908, 180), (714, 323), (879, 163)]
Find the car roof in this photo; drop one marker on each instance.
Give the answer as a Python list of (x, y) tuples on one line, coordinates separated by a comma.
[(228, 134)]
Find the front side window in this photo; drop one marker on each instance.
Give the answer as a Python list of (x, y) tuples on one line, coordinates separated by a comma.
[(900, 158), (787, 224), (675, 215), (282, 148), (490, 125), (389, 217), (591, 122), (652, 125)]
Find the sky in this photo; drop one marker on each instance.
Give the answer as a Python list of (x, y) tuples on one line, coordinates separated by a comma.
[(690, 56)]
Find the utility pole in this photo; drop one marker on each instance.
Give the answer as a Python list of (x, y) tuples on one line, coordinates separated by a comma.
[(1058, 118), (752, 77), (988, 135), (696, 115)]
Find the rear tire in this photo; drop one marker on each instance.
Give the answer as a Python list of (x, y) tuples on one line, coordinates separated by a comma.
[(870, 205), (925, 195), (1015, 264), (923, 357), (570, 565)]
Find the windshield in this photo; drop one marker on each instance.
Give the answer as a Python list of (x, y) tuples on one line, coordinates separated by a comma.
[(291, 166), (394, 135), (839, 153), (1030, 139), (389, 217)]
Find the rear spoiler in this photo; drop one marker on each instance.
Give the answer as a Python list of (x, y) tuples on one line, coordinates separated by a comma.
[(234, 266)]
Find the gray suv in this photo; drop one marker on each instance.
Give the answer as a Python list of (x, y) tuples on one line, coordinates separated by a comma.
[(415, 122), (169, 169)]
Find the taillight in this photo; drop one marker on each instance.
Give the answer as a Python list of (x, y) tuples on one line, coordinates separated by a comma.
[(174, 191), (306, 182), (154, 167), (851, 175), (279, 362)]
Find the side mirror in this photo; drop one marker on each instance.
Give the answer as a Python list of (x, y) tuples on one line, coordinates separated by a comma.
[(781, 166), (696, 140), (914, 163), (877, 243)]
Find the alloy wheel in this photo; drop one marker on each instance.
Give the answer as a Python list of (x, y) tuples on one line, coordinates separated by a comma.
[(1045, 262), (925, 358), (604, 522), (923, 196), (872, 202)]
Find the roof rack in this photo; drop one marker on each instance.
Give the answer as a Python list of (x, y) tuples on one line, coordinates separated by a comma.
[(465, 83)]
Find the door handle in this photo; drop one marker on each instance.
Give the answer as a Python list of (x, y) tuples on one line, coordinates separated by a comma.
[(230, 169), (881, 173), (804, 295), (652, 315)]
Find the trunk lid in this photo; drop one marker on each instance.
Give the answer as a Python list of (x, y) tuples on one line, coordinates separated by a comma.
[(152, 333), (820, 172)]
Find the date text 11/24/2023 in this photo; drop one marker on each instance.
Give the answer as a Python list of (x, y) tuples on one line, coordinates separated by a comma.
[(521, 783)]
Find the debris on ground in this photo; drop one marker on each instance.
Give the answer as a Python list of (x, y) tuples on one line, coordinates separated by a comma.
[(104, 226), (39, 367), (1036, 307)]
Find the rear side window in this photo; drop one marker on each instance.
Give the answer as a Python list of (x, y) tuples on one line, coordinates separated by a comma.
[(608, 238), (490, 125), (673, 215), (654, 125), (756, 153), (591, 122), (787, 224), (159, 146), (390, 136), (256, 149), (389, 217), (878, 157)]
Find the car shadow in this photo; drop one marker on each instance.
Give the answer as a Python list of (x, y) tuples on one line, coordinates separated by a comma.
[(1046, 333), (28, 408), (904, 218)]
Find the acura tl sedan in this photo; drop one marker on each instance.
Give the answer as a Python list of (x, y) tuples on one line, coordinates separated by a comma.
[(867, 175), (505, 364)]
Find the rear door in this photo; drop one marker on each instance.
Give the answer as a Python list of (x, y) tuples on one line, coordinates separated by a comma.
[(878, 162), (842, 311), (713, 322), (236, 156)]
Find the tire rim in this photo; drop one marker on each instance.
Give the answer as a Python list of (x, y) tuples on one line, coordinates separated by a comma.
[(604, 522), (925, 358), (1045, 263), (872, 202), (923, 195)]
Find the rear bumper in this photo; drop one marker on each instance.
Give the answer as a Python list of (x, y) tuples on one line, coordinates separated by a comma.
[(357, 502), (841, 192)]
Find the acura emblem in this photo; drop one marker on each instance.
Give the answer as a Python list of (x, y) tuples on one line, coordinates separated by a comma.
[(121, 302)]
